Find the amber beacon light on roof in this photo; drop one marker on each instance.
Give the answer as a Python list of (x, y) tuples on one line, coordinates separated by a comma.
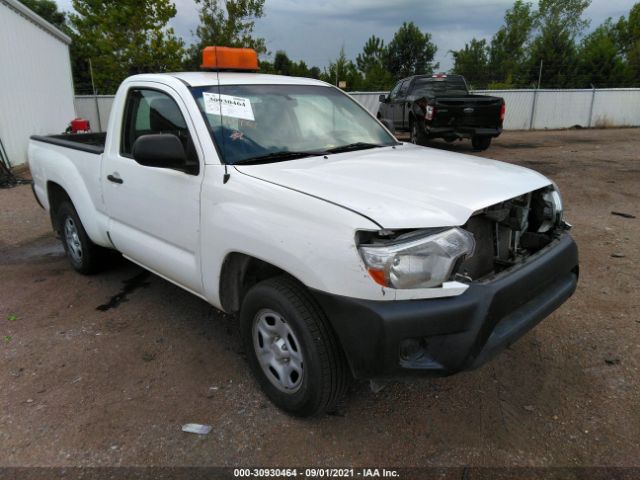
[(226, 58)]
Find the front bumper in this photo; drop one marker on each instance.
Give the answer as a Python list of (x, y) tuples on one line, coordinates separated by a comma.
[(443, 336)]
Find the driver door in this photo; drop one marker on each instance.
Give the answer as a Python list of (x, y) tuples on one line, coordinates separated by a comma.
[(154, 213), (390, 105), (398, 105)]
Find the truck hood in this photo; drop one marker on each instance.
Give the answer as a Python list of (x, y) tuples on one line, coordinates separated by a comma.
[(404, 187)]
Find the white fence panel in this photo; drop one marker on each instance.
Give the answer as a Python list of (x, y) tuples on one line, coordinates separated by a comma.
[(562, 108), (88, 106), (617, 107), (518, 103), (553, 108), (369, 100)]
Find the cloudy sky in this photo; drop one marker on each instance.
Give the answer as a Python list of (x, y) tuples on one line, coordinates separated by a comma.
[(314, 31)]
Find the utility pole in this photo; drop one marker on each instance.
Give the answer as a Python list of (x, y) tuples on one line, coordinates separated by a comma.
[(593, 99), (535, 98), (540, 74)]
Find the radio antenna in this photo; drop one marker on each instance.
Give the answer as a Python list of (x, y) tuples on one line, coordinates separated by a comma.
[(226, 175)]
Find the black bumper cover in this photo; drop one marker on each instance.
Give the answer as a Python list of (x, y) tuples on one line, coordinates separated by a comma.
[(448, 335), (463, 131)]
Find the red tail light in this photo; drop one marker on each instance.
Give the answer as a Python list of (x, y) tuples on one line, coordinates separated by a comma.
[(430, 112), (503, 110)]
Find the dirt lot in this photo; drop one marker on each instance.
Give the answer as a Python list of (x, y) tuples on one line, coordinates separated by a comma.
[(112, 386)]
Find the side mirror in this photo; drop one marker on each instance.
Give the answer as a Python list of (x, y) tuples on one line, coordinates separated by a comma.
[(161, 150), (383, 98)]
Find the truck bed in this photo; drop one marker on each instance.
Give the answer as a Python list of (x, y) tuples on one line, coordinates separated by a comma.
[(86, 142)]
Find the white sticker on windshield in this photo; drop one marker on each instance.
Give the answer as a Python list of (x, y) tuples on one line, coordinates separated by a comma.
[(236, 107)]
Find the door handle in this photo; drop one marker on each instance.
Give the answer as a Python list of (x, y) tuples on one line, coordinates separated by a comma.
[(114, 179)]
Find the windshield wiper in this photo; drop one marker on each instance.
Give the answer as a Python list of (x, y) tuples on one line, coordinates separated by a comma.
[(354, 146), (277, 156)]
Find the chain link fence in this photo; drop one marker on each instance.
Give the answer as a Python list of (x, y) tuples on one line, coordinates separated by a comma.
[(526, 109)]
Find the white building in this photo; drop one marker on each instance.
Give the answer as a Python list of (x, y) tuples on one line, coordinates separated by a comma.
[(36, 86)]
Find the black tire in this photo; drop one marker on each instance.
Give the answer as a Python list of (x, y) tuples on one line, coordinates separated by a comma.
[(416, 131), (91, 255), (324, 375), (480, 143)]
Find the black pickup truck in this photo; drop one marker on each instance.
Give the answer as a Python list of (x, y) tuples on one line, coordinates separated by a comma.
[(440, 106)]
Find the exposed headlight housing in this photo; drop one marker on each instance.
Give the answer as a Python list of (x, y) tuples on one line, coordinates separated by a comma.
[(420, 259), (553, 210)]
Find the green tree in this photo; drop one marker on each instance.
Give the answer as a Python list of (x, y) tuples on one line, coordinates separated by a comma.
[(315, 72), (121, 39), (371, 63), (600, 60), (377, 78), (566, 14), (343, 70), (300, 69), (48, 9), (628, 41), (508, 45), (372, 54), (281, 63), (284, 66), (473, 63), (228, 23), (558, 23), (410, 52)]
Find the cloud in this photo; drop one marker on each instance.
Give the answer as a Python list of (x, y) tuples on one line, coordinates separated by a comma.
[(315, 31)]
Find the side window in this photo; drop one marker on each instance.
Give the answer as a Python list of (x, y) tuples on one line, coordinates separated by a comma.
[(403, 88), (151, 111), (395, 90)]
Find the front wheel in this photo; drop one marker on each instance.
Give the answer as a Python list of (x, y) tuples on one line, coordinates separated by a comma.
[(480, 143), (291, 348)]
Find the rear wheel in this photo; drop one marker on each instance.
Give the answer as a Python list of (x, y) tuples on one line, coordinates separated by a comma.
[(418, 137), (291, 348), (480, 143), (84, 255)]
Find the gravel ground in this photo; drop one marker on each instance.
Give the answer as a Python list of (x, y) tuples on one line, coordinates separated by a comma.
[(112, 386)]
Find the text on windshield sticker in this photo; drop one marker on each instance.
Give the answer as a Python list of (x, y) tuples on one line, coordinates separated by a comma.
[(228, 106)]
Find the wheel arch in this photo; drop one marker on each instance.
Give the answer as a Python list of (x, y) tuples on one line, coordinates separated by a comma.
[(74, 191), (239, 272), (56, 195)]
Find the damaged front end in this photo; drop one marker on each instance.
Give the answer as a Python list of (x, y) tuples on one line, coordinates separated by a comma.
[(506, 234), (518, 265), (493, 239)]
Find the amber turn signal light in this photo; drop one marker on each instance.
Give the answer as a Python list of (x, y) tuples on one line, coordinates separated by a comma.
[(226, 58), (378, 276)]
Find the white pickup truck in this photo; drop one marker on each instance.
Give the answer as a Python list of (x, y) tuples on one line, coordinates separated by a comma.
[(344, 252)]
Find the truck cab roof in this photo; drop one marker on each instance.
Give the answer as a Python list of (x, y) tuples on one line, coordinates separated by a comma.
[(201, 79)]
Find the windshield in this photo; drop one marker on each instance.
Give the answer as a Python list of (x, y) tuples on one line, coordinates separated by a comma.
[(283, 122)]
